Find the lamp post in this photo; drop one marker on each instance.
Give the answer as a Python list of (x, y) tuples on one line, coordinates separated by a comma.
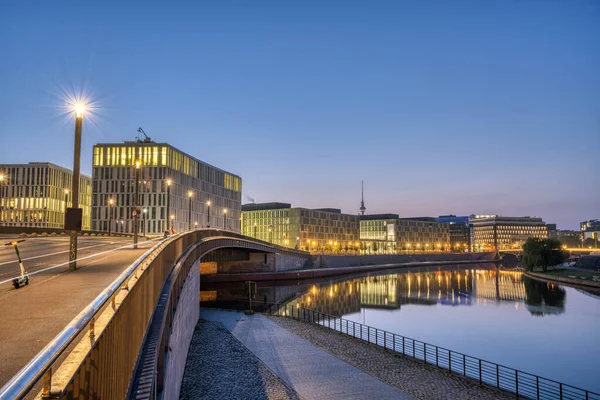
[(208, 214), (66, 201), (136, 226), (110, 216), (2, 180), (145, 210), (196, 225), (190, 195), (255, 231), (270, 234), (172, 218), (79, 109), (167, 227), (224, 218)]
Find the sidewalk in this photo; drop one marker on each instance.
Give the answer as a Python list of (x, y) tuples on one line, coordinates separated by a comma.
[(311, 372)]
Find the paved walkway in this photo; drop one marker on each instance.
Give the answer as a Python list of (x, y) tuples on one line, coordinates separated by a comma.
[(310, 371)]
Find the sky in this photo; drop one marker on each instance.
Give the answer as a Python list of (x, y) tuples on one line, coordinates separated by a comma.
[(485, 107)]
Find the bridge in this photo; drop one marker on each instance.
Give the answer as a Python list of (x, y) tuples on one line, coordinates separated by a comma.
[(143, 321)]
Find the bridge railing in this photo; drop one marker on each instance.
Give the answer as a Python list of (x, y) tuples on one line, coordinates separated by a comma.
[(95, 354), (522, 384)]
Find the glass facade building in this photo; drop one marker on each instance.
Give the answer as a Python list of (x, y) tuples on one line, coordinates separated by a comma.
[(302, 228), (33, 195), (460, 237), (215, 194), (389, 234), (493, 232)]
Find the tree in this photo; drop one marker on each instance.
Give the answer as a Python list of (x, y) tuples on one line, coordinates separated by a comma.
[(542, 253), (374, 247)]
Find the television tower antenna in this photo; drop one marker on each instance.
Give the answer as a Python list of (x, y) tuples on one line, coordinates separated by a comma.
[(362, 208)]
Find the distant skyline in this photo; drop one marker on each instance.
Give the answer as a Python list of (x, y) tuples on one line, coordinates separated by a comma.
[(440, 107)]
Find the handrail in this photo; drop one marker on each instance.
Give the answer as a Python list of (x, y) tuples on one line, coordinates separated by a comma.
[(523, 384), (25, 379)]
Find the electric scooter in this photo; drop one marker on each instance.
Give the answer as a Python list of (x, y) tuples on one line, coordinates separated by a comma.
[(24, 278)]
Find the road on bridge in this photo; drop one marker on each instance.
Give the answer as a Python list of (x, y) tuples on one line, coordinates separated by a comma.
[(33, 315)]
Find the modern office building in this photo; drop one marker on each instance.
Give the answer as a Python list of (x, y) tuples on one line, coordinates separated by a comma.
[(494, 232), (389, 234), (552, 231), (37, 194), (212, 196), (323, 229), (569, 238), (460, 237), (590, 230)]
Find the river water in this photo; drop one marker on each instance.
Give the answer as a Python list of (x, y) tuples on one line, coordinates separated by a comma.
[(504, 317)]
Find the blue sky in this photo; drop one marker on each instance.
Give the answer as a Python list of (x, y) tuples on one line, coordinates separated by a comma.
[(441, 107)]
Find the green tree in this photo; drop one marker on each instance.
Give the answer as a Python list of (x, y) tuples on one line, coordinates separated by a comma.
[(374, 247), (542, 253)]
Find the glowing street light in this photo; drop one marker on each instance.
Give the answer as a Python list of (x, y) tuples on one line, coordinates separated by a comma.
[(136, 200), (167, 225), (208, 215), (224, 218), (190, 195)]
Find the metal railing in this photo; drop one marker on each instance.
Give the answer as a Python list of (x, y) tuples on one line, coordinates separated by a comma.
[(95, 354), (41, 365), (522, 384)]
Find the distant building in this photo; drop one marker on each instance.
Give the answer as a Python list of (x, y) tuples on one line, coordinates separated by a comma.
[(590, 230), (388, 233), (33, 195), (569, 238), (315, 229), (552, 232), (460, 237), (494, 232), (212, 189)]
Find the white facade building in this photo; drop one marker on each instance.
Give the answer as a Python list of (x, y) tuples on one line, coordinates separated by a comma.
[(114, 168)]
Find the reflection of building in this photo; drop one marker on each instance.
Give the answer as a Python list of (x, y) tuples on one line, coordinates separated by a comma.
[(502, 286), (333, 299), (114, 178), (460, 237), (493, 232), (279, 223), (33, 195), (380, 292), (387, 233)]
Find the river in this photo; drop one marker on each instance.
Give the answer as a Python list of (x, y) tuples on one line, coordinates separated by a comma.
[(504, 317)]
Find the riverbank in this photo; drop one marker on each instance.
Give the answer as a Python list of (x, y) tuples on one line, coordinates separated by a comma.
[(412, 377), (327, 272), (576, 279)]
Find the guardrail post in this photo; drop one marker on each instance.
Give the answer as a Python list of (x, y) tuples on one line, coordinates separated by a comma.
[(449, 361), (92, 332), (403, 352), (413, 348), (436, 356), (47, 383), (369, 333), (425, 352), (537, 388), (517, 383), (497, 376), (384, 340), (376, 337), (464, 365), (561, 395), (394, 341), (480, 371)]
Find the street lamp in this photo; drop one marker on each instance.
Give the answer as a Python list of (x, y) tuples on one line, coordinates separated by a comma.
[(172, 218), (2, 180), (190, 195), (145, 210), (136, 226), (168, 228), (224, 218), (110, 215), (255, 231), (79, 109), (208, 214)]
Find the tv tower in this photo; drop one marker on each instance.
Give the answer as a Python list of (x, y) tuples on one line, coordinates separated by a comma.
[(362, 208)]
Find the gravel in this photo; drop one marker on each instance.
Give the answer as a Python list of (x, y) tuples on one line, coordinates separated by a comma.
[(220, 367), (413, 377)]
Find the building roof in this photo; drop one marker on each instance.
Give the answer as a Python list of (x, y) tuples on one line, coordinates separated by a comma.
[(151, 144), (40, 164), (374, 217), (264, 206), (331, 210), (424, 219)]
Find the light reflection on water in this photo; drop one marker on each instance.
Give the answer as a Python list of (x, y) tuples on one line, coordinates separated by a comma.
[(502, 317)]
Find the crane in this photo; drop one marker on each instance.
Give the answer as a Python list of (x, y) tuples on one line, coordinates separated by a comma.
[(146, 137)]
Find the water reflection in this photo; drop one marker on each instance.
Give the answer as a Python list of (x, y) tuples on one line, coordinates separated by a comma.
[(447, 288)]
